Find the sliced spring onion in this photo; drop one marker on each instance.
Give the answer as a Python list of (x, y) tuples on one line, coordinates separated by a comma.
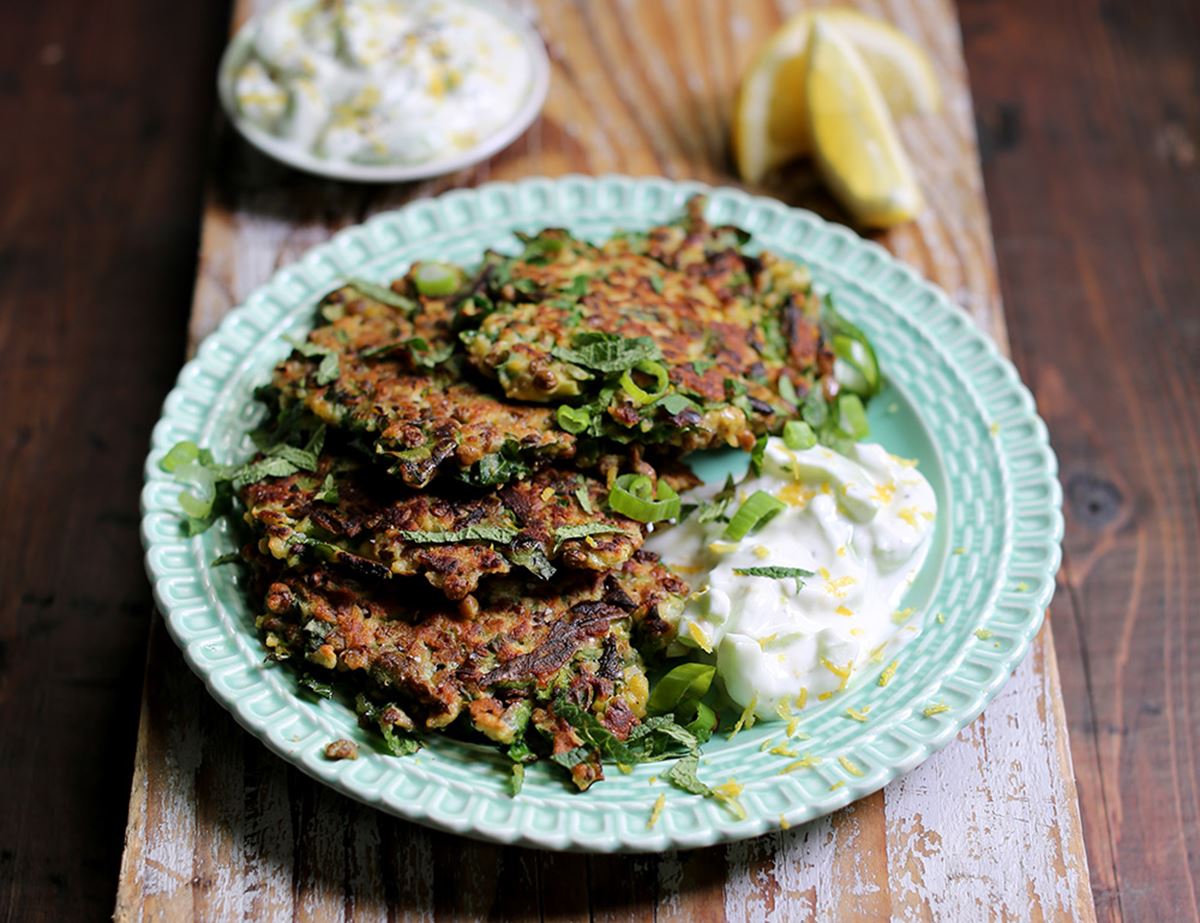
[(852, 418), (573, 419), (638, 394), (196, 507), (437, 279), (680, 689), (759, 507), (798, 435), (857, 368), (182, 453), (635, 496)]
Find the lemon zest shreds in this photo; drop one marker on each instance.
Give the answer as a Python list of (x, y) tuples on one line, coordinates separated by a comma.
[(941, 618), (747, 718), (1022, 587), (802, 698), (656, 811), (762, 552), (783, 823), (877, 653), (824, 696), (844, 610), (842, 673), (935, 709), (959, 550), (982, 634), (888, 672), (792, 726), (783, 709), (727, 793), (783, 750), (900, 616), (625, 768), (808, 761), (700, 637), (766, 745), (836, 785), (850, 766), (858, 714)]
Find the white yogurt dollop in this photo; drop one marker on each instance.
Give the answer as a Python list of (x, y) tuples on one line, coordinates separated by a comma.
[(862, 523), (383, 81)]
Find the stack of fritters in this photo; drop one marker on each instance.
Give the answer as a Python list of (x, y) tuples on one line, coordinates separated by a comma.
[(445, 546)]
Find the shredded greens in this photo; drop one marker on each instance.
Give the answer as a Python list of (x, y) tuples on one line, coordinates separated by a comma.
[(609, 353), (501, 535), (383, 294), (776, 573), (583, 530)]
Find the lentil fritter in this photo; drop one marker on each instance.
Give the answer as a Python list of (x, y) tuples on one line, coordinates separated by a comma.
[(673, 336), (349, 515), (382, 368), (525, 653)]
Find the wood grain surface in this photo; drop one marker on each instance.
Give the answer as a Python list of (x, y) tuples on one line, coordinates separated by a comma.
[(1090, 137), (1088, 118), (219, 828)]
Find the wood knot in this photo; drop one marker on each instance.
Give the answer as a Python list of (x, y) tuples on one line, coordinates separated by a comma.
[(1093, 501)]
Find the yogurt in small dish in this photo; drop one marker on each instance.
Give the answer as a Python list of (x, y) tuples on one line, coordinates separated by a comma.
[(791, 611), (384, 89)]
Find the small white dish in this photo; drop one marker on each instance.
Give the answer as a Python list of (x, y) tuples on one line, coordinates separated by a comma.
[(241, 47)]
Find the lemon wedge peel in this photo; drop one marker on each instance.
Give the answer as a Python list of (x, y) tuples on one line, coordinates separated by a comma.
[(770, 120), (855, 143)]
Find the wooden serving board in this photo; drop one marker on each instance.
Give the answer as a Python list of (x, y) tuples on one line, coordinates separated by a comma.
[(220, 829)]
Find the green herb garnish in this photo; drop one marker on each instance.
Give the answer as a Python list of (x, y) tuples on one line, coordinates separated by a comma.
[(776, 573), (583, 530), (383, 294), (418, 349), (329, 368), (501, 535), (609, 353), (531, 556), (756, 455)]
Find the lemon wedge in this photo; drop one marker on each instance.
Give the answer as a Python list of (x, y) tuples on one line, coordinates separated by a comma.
[(770, 119), (855, 144)]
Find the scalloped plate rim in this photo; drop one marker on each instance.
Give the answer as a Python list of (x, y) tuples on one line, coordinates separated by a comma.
[(465, 824)]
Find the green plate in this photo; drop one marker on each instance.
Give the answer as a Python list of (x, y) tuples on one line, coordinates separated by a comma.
[(952, 402)]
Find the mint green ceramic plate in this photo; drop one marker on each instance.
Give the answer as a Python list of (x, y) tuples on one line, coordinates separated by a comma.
[(953, 402)]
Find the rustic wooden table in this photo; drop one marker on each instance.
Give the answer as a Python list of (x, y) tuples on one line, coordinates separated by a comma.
[(1088, 120), (219, 827)]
